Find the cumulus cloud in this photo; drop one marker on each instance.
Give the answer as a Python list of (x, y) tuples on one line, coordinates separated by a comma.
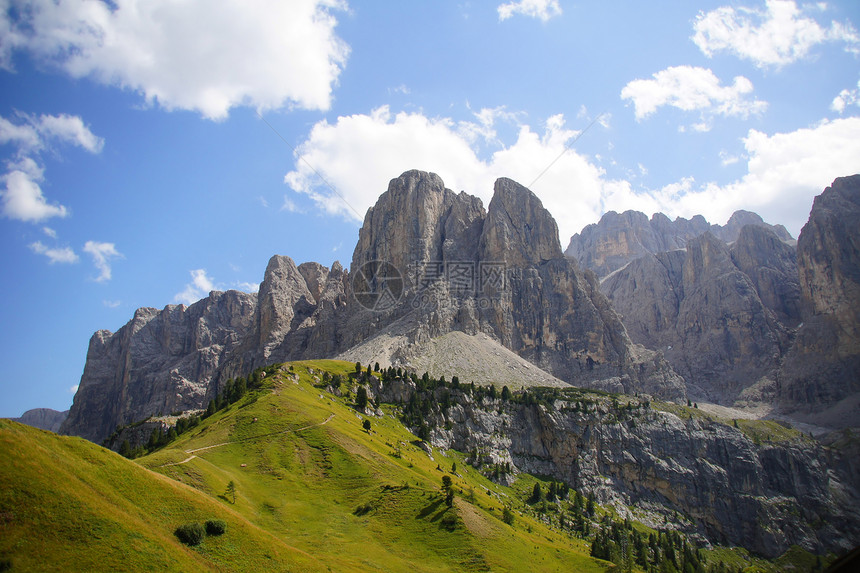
[(33, 133), (102, 254), (203, 55), (22, 198), (357, 155), (55, 255), (691, 88), (542, 10), (200, 286), (846, 98), (785, 171), (777, 36)]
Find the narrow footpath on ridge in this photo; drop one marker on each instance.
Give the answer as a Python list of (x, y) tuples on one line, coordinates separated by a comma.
[(193, 455)]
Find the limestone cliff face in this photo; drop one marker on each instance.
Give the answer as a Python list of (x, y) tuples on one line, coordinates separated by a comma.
[(616, 240), (706, 314), (160, 362), (823, 366), (501, 273), (727, 487)]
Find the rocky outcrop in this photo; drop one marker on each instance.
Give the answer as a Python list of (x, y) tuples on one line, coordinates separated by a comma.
[(620, 238), (162, 361), (501, 273), (822, 368), (771, 265), (680, 471), (43, 418), (699, 308)]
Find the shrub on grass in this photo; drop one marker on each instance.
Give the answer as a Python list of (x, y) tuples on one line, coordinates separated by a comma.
[(215, 527), (190, 533)]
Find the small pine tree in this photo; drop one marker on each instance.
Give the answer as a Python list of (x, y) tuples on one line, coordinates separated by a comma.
[(361, 398), (508, 516), (358, 367), (454, 468), (537, 494), (376, 367), (125, 449), (215, 527), (506, 393), (448, 489), (366, 425), (190, 533), (231, 491)]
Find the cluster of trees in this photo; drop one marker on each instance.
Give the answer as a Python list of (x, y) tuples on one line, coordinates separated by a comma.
[(555, 491), (232, 391), (194, 533), (664, 552), (235, 390)]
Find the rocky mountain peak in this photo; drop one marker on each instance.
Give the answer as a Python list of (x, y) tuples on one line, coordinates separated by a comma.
[(407, 222), (821, 373), (282, 288), (617, 239), (518, 229)]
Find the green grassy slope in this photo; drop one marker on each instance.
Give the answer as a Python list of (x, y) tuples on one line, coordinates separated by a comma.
[(306, 471), (69, 505), (314, 491)]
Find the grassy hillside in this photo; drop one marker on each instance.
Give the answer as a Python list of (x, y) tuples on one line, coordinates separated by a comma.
[(306, 470), (69, 505), (313, 491)]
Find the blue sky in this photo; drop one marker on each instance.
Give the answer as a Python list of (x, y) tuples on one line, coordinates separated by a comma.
[(155, 150)]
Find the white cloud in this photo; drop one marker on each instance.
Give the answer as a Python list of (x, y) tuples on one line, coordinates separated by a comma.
[(289, 205), (202, 284), (203, 55), (779, 35), (23, 199), (70, 129), (785, 171), (112, 303), (73, 389), (50, 232), (102, 253), (34, 133), (199, 287), (727, 158), (845, 99), (246, 286), (542, 10), (359, 154), (56, 255), (692, 89)]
